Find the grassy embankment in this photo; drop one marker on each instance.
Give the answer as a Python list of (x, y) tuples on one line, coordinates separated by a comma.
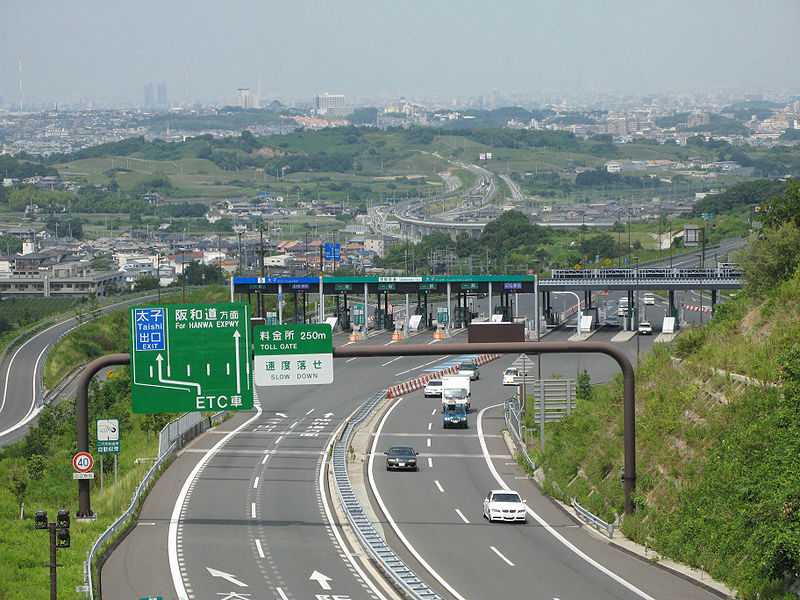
[(44, 458), (718, 461)]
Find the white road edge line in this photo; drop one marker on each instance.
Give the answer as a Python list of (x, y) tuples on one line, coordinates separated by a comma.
[(546, 525), (172, 539), (389, 518), (463, 518), (500, 554)]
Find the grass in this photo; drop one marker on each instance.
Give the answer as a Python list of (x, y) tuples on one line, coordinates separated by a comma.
[(718, 461)]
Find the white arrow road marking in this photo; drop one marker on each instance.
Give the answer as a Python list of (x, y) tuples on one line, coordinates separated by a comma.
[(321, 579), (328, 415), (496, 551), (160, 360), (226, 576), (283, 416), (236, 336)]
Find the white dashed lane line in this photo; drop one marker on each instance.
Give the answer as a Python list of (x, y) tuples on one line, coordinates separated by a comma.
[(463, 518), (500, 554), (439, 485)]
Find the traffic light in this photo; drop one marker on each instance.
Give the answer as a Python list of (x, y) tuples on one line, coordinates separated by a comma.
[(40, 520), (62, 538), (63, 519)]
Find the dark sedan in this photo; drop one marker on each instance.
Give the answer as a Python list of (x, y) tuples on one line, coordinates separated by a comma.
[(401, 457)]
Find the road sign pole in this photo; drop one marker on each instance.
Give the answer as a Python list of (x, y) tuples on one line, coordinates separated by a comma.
[(82, 418), (101, 477), (321, 314), (280, 304)]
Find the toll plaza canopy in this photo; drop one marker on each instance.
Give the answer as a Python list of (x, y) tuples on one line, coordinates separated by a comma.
[(405, 284)]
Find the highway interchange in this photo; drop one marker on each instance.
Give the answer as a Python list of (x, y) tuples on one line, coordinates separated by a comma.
[(245, 511)]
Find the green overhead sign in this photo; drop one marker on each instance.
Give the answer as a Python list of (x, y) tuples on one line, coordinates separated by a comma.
[(293, 354), (387, 287), (190, 357), (431, 287)]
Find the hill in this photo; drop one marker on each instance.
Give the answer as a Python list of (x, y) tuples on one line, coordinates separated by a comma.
[(718, 456)]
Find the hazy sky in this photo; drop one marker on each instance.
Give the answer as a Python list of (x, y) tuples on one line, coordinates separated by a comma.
[(105, 51)]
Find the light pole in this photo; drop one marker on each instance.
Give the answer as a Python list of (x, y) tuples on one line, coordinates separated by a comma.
[(580, 312)]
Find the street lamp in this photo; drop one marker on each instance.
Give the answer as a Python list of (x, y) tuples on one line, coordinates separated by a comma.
[(580, 312)]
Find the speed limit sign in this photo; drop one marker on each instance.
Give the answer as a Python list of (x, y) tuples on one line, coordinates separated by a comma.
[(83, 462)]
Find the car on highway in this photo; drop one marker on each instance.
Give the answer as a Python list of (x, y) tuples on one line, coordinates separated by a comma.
[(649, 298), (455, 415), (612, 321), (433, 389), (401, 457), (509, 374), (469, 368), (504, 505), (645, 328)]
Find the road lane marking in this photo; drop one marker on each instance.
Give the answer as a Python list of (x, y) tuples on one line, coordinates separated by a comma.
[(569, 545), (384, 508), (429, 442), (434, 412), (282, 595), (441, 358), (323, 467), (292, 426), (429, 426), (310, 411), (438, 485), (463, 518), (266, 456), (391, 361), (260, 549), (430, 462), (347, 361), (500, 554), (255, 483), (252, 510), (172, 539)]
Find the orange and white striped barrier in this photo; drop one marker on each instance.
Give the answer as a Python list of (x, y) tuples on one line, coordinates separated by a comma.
[(438, 334), (415, 384), (706, 309), (354, 337)]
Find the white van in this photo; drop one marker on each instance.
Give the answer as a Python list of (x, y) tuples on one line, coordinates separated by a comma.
[(649, 298), (622, 311)]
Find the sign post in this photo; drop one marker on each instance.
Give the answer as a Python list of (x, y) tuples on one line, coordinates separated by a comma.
[(190, 357), (107, 442), (293, 354)]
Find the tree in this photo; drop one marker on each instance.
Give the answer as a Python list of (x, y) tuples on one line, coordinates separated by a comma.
[(785, 207), (772, 256), (18, 481), (145, 282)]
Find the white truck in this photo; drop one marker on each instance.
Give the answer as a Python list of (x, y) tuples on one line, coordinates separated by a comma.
[(455, 390)]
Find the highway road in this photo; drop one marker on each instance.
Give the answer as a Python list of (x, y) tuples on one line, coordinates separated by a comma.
[(248, 514), (21, 389)]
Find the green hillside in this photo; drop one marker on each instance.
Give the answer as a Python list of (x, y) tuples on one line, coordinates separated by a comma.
[(718, 458)]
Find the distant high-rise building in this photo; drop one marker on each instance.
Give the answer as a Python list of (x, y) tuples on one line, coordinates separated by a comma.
[(162, 93), (148, 94), (244, 99), (331, 105)]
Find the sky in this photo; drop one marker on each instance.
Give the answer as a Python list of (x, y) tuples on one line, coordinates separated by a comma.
[(106, 51)]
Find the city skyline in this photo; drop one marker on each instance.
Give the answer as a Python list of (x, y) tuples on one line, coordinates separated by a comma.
[(106, 53)]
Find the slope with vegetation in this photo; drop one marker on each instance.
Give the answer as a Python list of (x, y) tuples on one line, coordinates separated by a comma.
[(718, 457)]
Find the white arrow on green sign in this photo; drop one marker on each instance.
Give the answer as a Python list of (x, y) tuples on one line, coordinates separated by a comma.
[(293, 354), (190, 357)]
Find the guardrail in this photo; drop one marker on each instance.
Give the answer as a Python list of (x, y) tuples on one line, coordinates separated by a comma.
[(373, 543), (177, 432), (596, 521), (513, 417), (112, 529)]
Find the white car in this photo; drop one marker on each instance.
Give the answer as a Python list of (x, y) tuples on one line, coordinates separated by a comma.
[(433, 389), (649, 298), (504, 505), (509, 374), (645, 328)]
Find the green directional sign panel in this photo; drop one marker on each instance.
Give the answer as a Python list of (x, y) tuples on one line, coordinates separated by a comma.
[(342, 287), (430, 287), (293, 354), (387, 287), (190, 357), (469, 286)]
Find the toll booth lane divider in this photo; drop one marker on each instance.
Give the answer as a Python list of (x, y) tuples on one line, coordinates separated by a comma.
[(415, 384)]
